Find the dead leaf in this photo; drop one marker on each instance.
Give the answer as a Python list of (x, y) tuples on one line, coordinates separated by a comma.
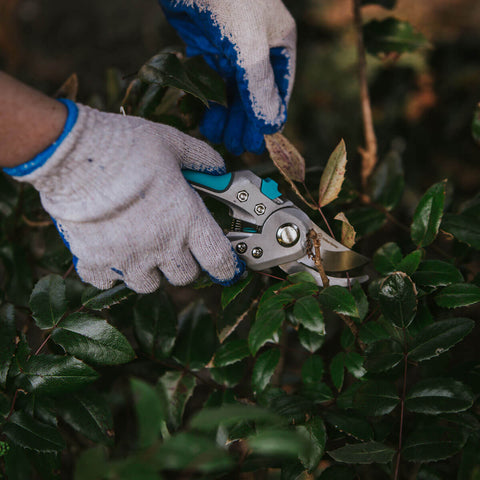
[(348, 232), (333, 175), (69, 88)]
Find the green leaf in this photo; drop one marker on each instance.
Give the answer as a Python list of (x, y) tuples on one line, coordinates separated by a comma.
[(458, 295), (340, 300), (376, 397), (386, 258), (392, 36), (48, 301), (155, 324), (7, 340), (284, 443), (230, 293), (432, 443), (333, 175), (209, 419), (24, 431), (229, 376), (309, 340), (465, 228), (165, 69), (312, 370), (151, 412), (96, 299), (360, 300), (337, 366), (93, 339), (354, 364), (439, 337), (269, 318), (89, 414), (351, 424), (432, 396), (231, 352), (307, 312), (366, 220), (411, 262), (397, 297), (363, 453), (195, 323), (387, 182), (428, 215), (383, 356), (436, 273), (264, 369), (53, 374), (316, 435)]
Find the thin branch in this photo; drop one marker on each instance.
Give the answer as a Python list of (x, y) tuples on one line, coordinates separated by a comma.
[(369, 153), (313, 251)]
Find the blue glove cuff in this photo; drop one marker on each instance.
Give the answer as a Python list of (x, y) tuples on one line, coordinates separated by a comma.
[(40, 159)]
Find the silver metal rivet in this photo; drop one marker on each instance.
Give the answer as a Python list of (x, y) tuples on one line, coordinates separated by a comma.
[(260, 209), (257, 252), (241, 247), (288, 235), (242, 195)]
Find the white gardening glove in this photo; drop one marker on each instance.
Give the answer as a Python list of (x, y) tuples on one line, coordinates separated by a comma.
[(252, 44), (114, 186)]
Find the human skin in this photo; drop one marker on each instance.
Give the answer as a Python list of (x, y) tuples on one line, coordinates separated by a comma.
[(29, 121)]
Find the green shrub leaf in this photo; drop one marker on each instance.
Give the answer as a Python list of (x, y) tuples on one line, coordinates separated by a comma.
[(458, 295), (376, 397), (231, 293), (363, 453), (439, 395), (361, 300), (410, 263), (337, 370), (383, 356), (93, 339), (340, 300), (96, 299), (397, 299), (312, 370), (465, 228), (387, 182), (386, 258), (24, 431), (307, 312), (354, 364), (439, 337), (264, 369), (231, 352), (316, 435), (366, 220), (436, 273), (284, 443), (428, 215), (48, 301), (309, 340), (351, 424)]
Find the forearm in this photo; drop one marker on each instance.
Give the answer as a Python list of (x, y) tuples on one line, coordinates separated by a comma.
[(29, 121)]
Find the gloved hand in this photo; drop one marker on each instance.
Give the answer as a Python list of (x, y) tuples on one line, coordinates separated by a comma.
[(114, 187), (252, 44)]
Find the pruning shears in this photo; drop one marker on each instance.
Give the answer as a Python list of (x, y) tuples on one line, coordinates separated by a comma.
[(268, 230)]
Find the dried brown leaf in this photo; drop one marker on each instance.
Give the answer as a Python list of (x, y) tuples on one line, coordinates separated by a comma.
[(348, 232), (286, 157), (333, 175), (69, 88)]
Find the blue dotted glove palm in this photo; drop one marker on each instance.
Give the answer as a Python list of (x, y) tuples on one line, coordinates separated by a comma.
[(252, 44)]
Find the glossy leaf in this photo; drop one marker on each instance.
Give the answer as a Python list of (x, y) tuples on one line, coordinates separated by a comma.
[(48, 301), (391, 35), (360, 300), (363, 453), (155, 324), (231, 293), (93, 339), (410, 263), (429, 444), (7, 340), (307, 312), (26, 432), (439, 337), (436, 273), (376, 397), (397, 297), (337, 373), (284, 443), (387, 182), (231, 352), (96, 299), (54, 374), (439, 395), (354, 364), (264, 369), (428, 215), (383, 355), (333, 175), (309, 340), (316, 435), (465, 228), (348, 232), (458, 295), (312, 369), (87, 413), (386, 258), (339, 299)]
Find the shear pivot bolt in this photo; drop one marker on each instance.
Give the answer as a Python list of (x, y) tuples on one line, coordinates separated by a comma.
[(288, 235), (257, 252), (241, 247), (260, 209), (242, 195)]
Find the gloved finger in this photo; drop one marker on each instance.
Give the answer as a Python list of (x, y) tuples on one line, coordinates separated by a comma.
[(253, 140), (214, 252), (97, 276), (280, 59), (213, 122), (142, 281), (180, 269), (234, 129)]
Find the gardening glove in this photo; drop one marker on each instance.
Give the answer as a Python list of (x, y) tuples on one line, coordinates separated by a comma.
[(251, 43), (114, 187)]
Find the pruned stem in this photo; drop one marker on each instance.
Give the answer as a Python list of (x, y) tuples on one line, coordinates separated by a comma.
[(314, 252)]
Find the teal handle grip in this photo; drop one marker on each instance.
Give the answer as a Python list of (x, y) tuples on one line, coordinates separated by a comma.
[(217, 183)]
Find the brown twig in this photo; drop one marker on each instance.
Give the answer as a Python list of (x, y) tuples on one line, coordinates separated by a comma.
[(369, 153), (313, 251)]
